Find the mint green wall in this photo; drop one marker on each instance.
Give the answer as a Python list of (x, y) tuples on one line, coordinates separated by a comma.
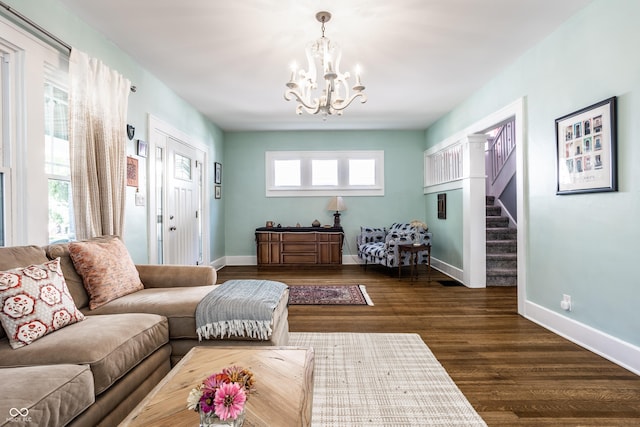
[(247, 207), (582, 245), (152, 97), (447, 233)]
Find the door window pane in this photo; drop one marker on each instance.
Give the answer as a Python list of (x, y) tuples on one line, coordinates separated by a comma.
[(183, 167)]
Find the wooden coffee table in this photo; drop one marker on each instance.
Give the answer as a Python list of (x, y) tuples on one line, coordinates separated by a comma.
[(283, 382)]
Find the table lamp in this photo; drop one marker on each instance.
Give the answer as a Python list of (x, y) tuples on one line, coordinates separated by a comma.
[(336, 204)]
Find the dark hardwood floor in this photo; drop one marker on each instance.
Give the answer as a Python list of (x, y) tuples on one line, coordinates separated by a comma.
[(514, 372)]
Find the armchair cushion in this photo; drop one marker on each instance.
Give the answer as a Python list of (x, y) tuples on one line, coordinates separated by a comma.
[(371, 234)]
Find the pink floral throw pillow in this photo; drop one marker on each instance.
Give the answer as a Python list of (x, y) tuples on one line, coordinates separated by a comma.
[(106, 268), (35, 301)]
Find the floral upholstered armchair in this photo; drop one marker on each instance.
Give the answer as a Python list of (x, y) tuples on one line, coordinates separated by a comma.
[(380, 246)]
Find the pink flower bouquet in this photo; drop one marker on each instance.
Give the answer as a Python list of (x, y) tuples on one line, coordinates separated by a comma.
[(223, 393)]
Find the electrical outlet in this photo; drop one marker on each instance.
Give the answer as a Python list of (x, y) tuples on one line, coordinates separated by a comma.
[(140, 199), (565, 304)]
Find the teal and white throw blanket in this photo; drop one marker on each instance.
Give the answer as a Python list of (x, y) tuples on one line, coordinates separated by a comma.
[(240, 308)]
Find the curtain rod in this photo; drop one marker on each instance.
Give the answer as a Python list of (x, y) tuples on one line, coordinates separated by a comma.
[(42, 30)]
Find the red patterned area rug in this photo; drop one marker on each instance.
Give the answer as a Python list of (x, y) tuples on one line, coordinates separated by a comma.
[(328, 295)]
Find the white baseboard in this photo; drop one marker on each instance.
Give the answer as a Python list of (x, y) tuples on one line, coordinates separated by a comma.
[(448, 269), (348, 259), (241, 260), (218, 263), (611, 348)]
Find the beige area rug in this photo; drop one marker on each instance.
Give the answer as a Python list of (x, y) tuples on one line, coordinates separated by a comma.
[(382, 380)]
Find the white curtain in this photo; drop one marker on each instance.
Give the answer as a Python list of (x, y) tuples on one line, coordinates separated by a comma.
[(98, 102)]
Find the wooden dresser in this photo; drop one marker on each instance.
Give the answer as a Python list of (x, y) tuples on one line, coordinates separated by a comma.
[(299, 245)]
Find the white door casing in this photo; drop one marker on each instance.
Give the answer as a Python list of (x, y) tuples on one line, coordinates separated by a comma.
[(178, 231)]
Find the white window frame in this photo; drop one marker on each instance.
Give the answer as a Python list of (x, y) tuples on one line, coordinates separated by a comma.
[(306, 189), (23, 130)]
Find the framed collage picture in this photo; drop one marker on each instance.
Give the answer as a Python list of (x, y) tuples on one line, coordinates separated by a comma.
[(586, 149)]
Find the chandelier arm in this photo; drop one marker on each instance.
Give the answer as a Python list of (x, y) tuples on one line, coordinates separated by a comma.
[(345, 104), (312, 109)]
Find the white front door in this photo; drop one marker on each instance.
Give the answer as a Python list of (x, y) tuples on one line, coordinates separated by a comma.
[(183, 213)]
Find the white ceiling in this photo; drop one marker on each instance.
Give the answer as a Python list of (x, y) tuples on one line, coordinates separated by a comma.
[(230, 59)]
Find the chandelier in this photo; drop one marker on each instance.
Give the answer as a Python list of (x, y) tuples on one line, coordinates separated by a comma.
[(334, 97)]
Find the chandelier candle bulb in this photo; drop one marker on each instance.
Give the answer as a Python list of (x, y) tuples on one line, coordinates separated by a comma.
[(358, 82), (294, 68)]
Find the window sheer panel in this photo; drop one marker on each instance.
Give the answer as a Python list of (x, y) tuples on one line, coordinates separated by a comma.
[(324, 173)]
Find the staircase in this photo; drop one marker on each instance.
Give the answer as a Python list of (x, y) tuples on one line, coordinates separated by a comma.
[(502, 244)]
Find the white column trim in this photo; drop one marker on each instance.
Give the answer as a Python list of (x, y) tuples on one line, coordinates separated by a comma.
[(474, 212)]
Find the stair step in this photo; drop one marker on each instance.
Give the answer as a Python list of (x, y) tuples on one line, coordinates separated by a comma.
[(502, 261), (502, 233), (494, 210), (502, 277), (497, 221), (502, 246)]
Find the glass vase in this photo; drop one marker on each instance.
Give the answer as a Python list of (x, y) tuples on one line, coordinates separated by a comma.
[(210, 419)]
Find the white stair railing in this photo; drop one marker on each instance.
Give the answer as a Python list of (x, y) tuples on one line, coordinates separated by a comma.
[(444, 166), (501, 148)]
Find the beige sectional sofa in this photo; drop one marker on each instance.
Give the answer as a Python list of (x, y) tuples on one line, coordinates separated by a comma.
[(95, 371)]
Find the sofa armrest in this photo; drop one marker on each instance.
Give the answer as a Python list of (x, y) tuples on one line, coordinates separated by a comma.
[(171, 276)]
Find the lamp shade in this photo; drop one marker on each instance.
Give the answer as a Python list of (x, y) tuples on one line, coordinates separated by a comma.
[(336, 204)]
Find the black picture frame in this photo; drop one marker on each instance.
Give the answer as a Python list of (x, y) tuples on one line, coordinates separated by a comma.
[(442, 206), (586, 150), (142, 148), (218, 192), (217, 177)]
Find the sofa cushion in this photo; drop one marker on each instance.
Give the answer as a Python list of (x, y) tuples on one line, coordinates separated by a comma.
[(47, 395), (19, 256), (111, 345), (177, 304), (106, 268), (71, 276), (35, 301)]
